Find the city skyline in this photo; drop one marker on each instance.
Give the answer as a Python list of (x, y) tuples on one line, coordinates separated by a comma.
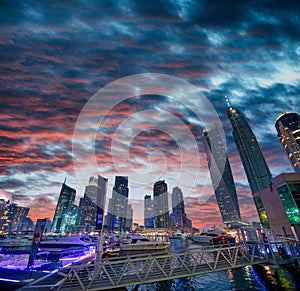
[(56, 56)]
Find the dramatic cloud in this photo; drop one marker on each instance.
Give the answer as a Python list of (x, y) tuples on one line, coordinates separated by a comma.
[(56, 55)]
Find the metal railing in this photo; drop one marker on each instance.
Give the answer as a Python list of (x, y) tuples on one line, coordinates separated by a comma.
[(111, 273)]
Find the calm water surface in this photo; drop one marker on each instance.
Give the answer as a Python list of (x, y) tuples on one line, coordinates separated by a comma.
[(246, 278)]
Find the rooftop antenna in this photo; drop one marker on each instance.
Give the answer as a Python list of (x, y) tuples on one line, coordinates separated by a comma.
[(227, 101), (65, 180)]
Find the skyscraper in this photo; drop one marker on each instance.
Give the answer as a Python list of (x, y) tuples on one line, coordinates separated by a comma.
[(118, 204), (282, 204), (92, 203), (109, 216), (87, 205), (178, 216), (256, 168), (64, 205), (288, 129), (101, 200), (221, 176), (148, 211), (13, 217), (129, 217), (161, 206)]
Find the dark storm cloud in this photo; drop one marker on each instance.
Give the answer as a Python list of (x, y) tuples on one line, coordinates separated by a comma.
[(11, 183), (56, 55), (11, 11)]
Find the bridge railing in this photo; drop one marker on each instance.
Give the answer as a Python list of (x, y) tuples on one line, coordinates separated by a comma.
[(119, 272), (277, 251)]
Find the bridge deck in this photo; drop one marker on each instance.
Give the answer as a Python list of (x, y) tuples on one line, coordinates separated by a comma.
[(124, 271)]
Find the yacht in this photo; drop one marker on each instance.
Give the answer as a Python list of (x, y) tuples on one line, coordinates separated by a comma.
[(15, 244), (140, 243), (204, 237), (111, 251), (76, 254), (66, 242), (178, 235), (20, 261)]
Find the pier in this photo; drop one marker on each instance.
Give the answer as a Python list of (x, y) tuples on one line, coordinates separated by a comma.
[(112, 273)]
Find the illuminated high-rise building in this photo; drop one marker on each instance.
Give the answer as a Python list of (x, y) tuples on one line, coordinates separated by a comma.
[(177, 207), (118, 204), (256, 168), (221, 177), (148, 212), (13, 217), (288, 129), (64, 205), (178, 216), (161, 205), (281, 201), (129, 217), (93, 202)]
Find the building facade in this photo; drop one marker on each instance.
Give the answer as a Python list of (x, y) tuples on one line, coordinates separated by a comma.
[(129, 217), (255, 166), (148, 212), (64, 206), (221, 177), (281, 201), (118, 204), (46, 222), (13, 217), (91, 206), (288, 129), (161, 205), (179, 218)]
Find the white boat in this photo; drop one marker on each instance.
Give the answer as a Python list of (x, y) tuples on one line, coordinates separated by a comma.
[(140, 243), (178, 235), (204, 237), (15, 245), (74, 255), (14, 242), (20, 261), (66, 242), (111, 251)]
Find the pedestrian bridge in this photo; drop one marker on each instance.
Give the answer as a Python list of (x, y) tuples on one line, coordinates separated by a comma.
[(105, 274)]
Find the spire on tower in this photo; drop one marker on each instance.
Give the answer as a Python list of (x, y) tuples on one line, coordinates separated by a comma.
[(227, 101)]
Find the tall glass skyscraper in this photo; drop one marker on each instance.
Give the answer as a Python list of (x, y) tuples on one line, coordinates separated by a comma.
[(161, 205), (64, 205), (178, 217), (148, 212), (221, 177), (256, 168), (118, 204), (91, 206), (288, 129), (178, 210)]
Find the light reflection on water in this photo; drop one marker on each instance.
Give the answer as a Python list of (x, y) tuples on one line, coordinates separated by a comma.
[(246, 278)]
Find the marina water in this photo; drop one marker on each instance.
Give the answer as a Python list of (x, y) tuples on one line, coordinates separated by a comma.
[(246, 278)]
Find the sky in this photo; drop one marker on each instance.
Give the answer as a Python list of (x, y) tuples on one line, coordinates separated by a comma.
[(126, 87)]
